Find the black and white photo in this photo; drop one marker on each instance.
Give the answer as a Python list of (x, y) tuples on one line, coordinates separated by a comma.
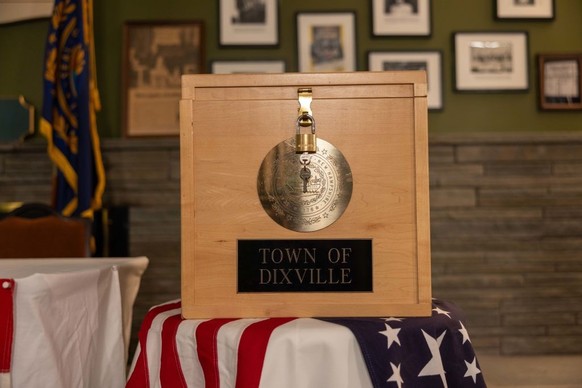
[(429, 61), (401, 17), (326, 46), (248, 22), (525, 9), (326, 42), (250, 12), (401, 7), (491, 57), (490, 61)]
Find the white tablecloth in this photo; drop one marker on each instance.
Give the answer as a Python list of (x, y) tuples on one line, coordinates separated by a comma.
[(71, 320)]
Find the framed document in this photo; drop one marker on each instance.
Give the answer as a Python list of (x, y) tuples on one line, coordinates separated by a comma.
[(156, 55), (560, 81)]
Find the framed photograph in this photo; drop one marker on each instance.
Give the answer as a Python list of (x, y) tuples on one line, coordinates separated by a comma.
[(155, 56), (246, 67), (491, 61), (248, 22), (326, 41), (525, 9), (429, 61), (401, 18), (560, 81)]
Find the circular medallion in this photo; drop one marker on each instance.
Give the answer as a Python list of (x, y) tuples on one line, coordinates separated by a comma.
[(304, 205)]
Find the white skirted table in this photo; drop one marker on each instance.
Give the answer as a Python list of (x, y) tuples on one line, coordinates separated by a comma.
[(66, 322), (387, 352)]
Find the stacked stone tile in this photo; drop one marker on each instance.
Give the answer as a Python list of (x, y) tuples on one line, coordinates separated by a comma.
[(506, 224)]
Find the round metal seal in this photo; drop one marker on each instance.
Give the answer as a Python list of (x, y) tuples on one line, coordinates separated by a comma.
[(281, 189)]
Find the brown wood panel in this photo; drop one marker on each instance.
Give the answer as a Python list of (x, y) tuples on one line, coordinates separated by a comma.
[(230, 123)]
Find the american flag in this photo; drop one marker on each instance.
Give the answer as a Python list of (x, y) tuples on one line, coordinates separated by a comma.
[(304, 352), (6, 330)]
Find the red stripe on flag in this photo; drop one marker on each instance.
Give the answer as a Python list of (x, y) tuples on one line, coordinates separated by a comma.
[(6, 323), (170, 369), (206, 334), (140, 376), (252, 349)]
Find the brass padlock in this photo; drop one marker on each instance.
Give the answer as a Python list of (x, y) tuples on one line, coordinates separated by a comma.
[(305, 142)]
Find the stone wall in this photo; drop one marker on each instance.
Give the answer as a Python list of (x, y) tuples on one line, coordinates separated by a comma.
[(506, 223)]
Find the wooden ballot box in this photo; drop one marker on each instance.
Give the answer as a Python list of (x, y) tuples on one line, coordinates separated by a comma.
[(269, 229)]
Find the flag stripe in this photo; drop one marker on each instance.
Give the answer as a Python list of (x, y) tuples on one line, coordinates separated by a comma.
[(227, 343), (139, 377), (206, 334), (6, 323), (252, 349), (170, 369), (186, 348)]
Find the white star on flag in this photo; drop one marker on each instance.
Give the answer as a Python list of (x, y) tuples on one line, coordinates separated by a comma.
[(441, 311), (472, 370), (465, 333), (392, 335), (434, 367), (393, 319), (395, 378)]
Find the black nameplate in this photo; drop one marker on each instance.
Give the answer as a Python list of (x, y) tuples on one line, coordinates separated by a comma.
[(305, 265)]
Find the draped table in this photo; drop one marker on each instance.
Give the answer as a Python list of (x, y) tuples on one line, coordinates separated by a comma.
[(431, 352), (66, 322)]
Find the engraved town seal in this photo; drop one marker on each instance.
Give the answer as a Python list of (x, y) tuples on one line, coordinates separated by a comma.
[(304, 206)]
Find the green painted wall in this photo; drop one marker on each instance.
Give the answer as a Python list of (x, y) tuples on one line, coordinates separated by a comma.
[(22, 49)]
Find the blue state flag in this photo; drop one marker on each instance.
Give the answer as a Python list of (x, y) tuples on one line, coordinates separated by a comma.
[(70, 103)]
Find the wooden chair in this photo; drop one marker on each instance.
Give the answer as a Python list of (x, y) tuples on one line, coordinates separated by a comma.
[(37, 231)]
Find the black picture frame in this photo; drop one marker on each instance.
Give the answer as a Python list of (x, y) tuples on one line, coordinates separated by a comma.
[(525, 10), (405, 18), (560, 81), (490, 61), (430, 61), (254, 25), (326, 41)]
